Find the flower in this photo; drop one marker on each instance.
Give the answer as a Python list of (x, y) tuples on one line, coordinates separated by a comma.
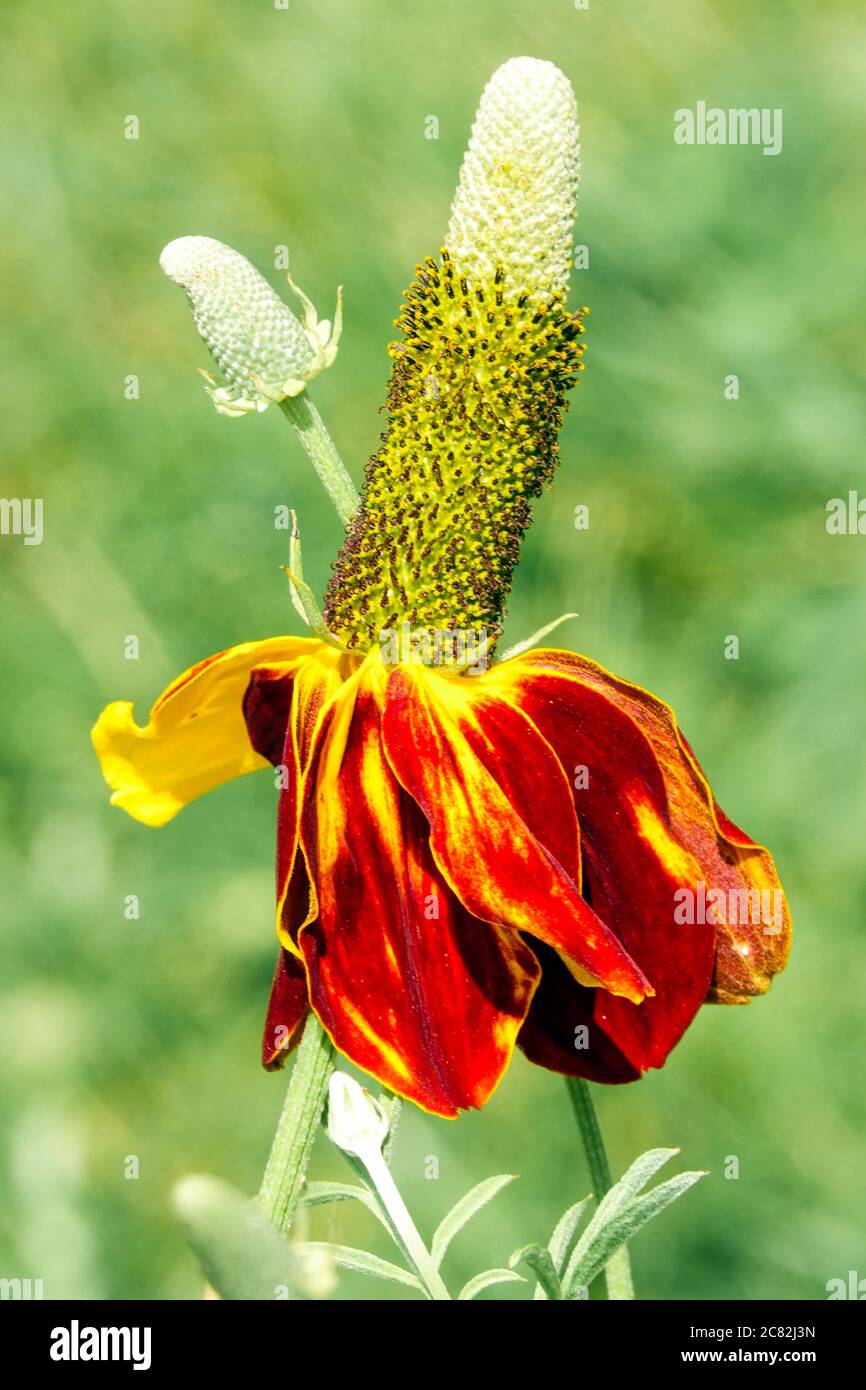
[(262, 351), (526, 856)]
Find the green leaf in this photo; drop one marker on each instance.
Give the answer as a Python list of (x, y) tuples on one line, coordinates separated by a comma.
[(560, 1240), (630, 1184), (303, 598), (486, 1279), (563, 1233), (591, 1255), (362, 1262), (539, 1260), (392, 1105), (633, 1181), (520, 647), (243, 1256), (315, 1194), (463, 1211)]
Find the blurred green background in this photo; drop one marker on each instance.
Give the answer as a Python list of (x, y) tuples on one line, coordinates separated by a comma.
[(306, 127)]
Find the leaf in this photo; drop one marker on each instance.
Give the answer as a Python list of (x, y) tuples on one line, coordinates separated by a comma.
[(303, 598), (564, 1231), (590, 1257), (463, 1211), (392, 1105), (560, 1240), (630, 1184), (633, 1181), (486, 1279), (520, 647), (539, 1260), (315, 1194), (362, 1262), (242, 1254), (304, 602)]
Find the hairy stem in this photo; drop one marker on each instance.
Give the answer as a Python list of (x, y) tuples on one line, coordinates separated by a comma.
[(296, 1131), (310, 429)]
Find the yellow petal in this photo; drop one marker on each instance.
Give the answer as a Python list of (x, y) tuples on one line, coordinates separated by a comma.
[(196, 737)]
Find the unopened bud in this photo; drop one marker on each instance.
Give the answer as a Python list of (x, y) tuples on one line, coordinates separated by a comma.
[(264, 353), (355, 1120)]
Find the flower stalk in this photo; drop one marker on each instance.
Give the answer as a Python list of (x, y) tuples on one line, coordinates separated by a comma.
[(313, 434), (404, 1227), (617, 1271), (360, 1125), (296, 1131)]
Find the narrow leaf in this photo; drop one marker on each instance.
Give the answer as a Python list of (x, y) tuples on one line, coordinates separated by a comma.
[(633, 1181), (463, 1211), (630, 1184), (560, 1240), (586, 1263), (317, 1193), (304, 601), (362, 1262), (303, 598), (536, 1258), (520, 647), (486, 1279), (563, 1233)]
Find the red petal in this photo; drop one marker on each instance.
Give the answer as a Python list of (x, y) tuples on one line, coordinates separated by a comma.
[(502, 823), (407, 983), (649, 832), (282, 707), (266, 707), (561, 1031), (287, 1009)]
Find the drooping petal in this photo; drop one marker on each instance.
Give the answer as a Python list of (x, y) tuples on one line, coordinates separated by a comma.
[(287, 1008), (282, 708), (196, 737), (409, 985), (562, 1031), (653, 843), (753, 935), (502, 824)]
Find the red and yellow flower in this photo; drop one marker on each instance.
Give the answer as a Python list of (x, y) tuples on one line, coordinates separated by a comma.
[(469, 861), (444, 892)]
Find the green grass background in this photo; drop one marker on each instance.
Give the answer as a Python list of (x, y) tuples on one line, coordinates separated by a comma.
[(306, 127)]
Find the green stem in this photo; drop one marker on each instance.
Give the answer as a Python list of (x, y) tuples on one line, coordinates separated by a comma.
[(404, 1227), (310, 429), (618, 1269), (298, 1123)]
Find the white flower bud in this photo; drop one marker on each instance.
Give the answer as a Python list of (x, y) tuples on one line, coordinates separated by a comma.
[(516, 201), (355, 1120), (263, 352)]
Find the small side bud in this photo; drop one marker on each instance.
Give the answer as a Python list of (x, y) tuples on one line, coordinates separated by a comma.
[(263, 352)]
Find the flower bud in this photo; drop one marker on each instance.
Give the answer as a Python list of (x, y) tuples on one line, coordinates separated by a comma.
[(263, 351), (517, 197), (355, 1120)]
